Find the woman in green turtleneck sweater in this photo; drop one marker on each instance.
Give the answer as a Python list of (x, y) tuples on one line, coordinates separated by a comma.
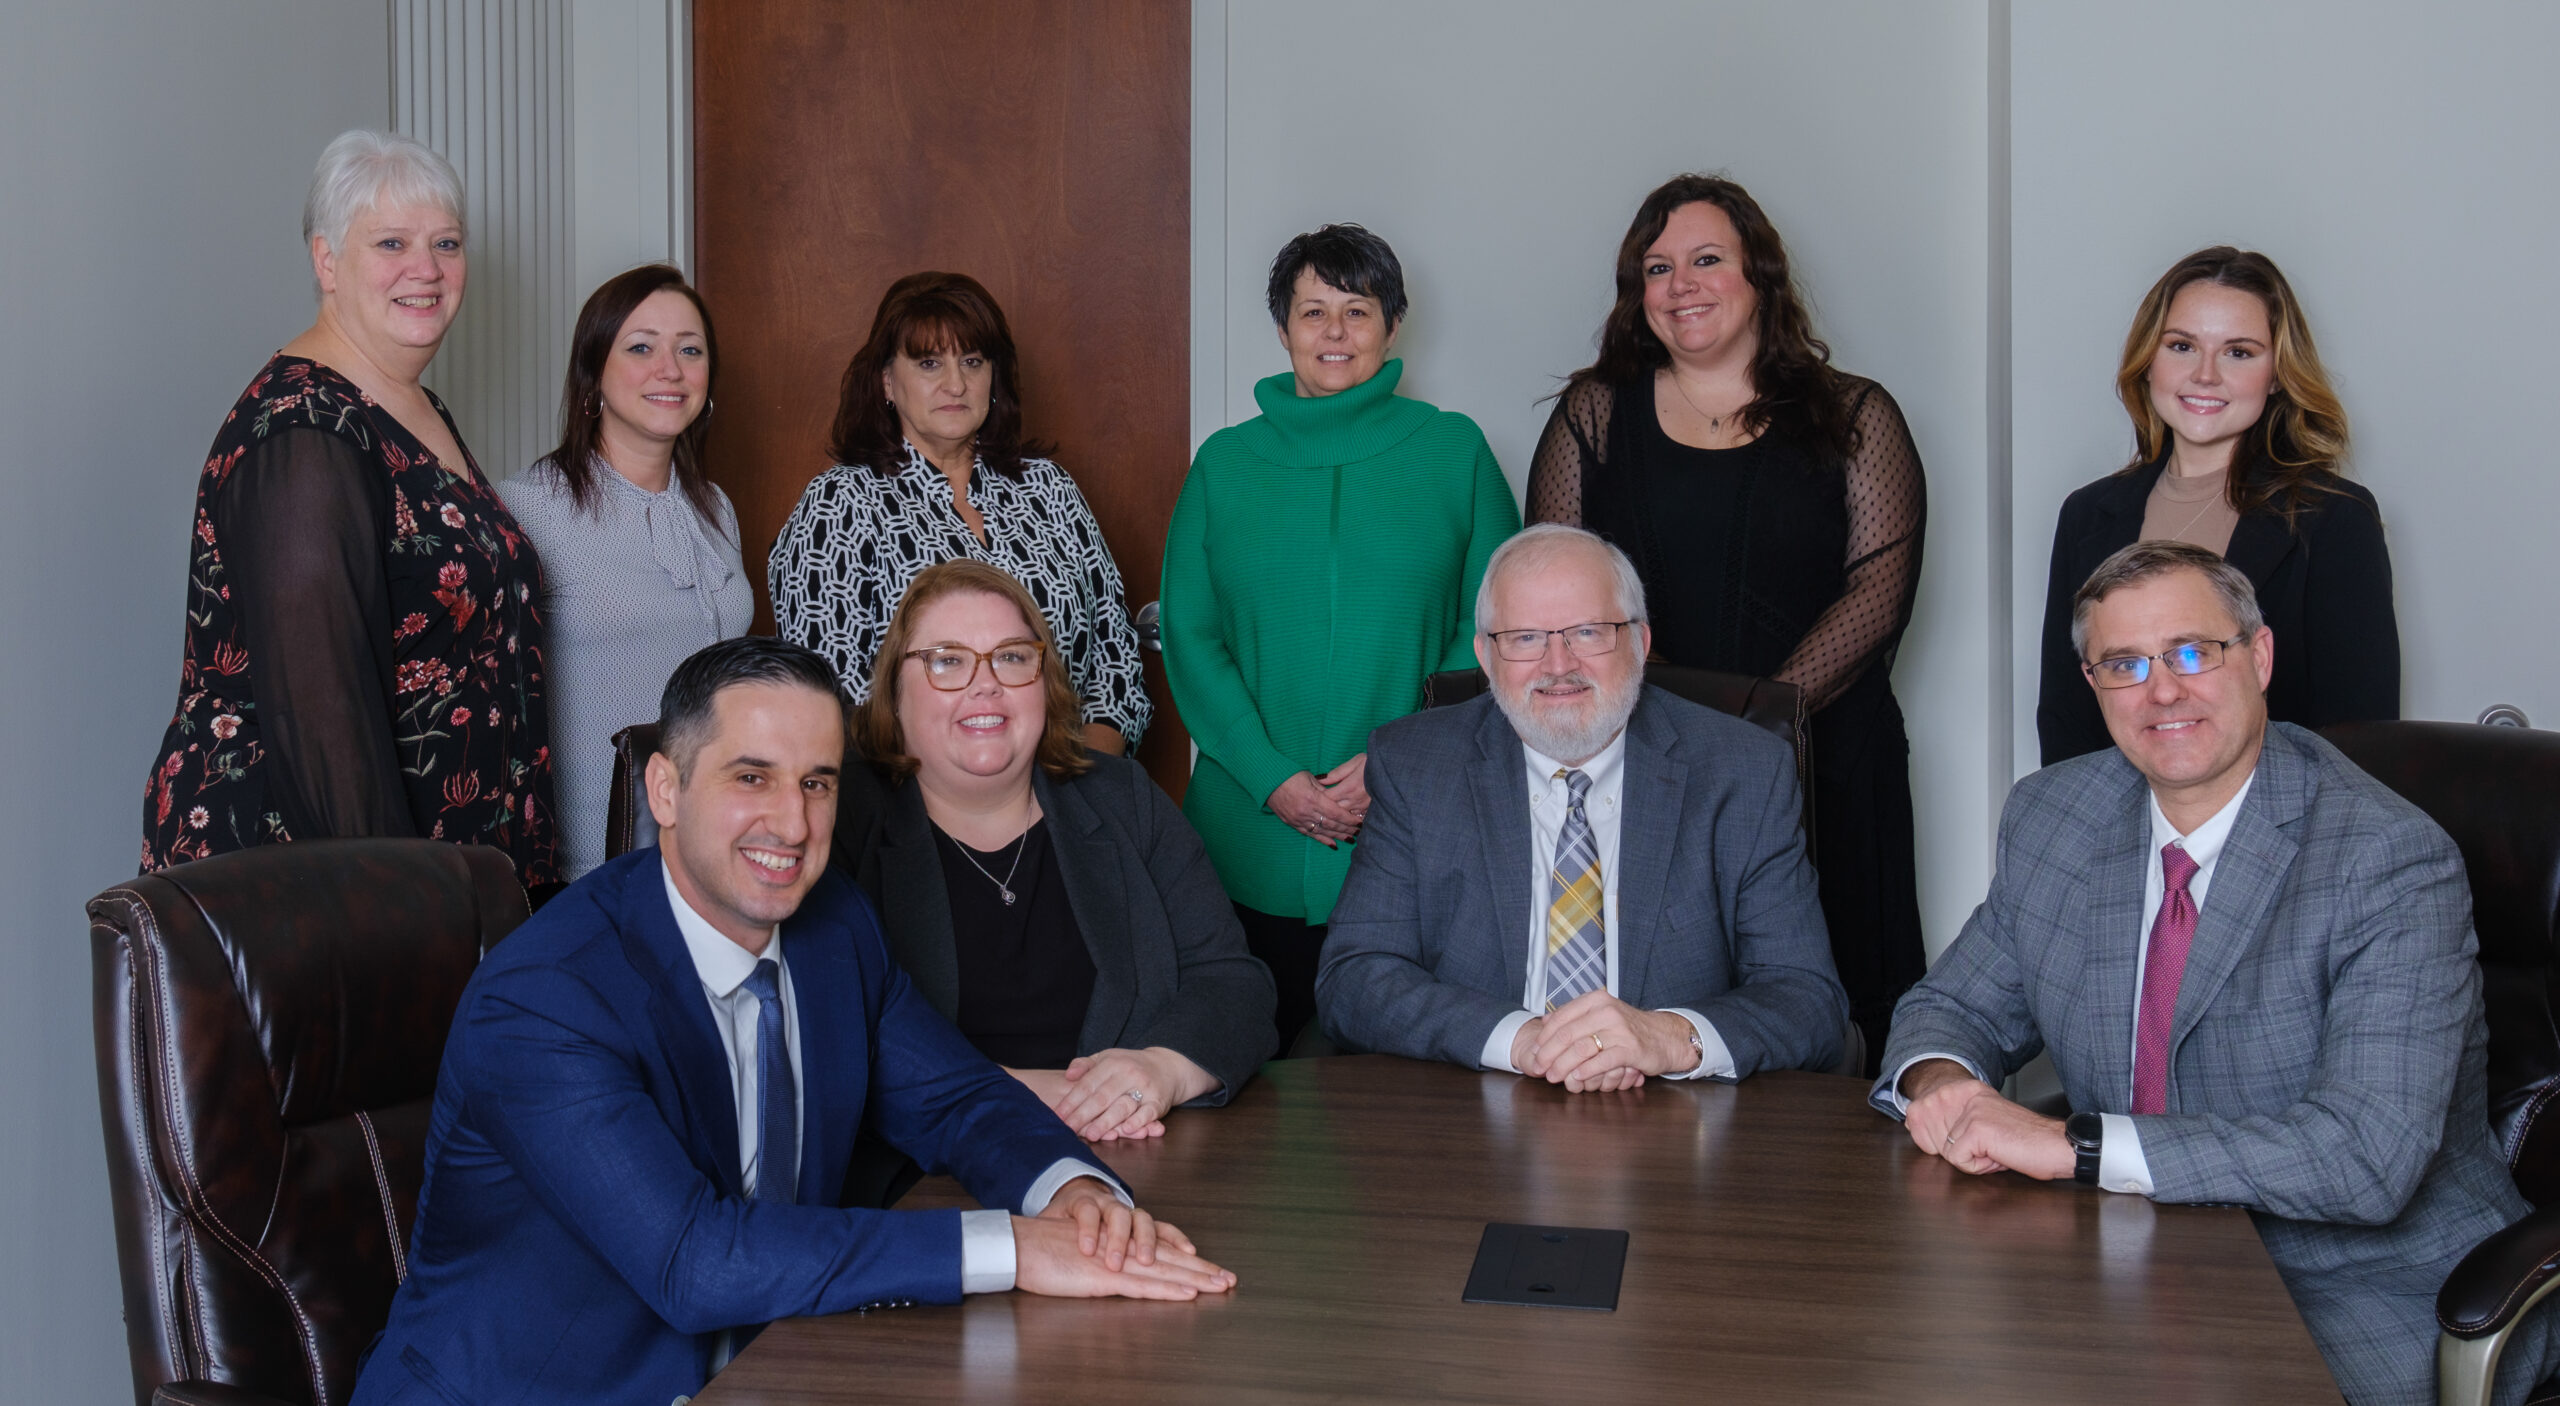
[(1323, 560)]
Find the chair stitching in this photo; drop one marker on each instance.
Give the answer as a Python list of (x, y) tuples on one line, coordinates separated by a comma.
[(2507, 1302), (179, 1316), (382, 1188), (201, 1206), (2524, 1124)]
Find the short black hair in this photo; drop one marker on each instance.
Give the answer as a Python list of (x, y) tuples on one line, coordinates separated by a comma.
[(1347, 256), (684, 710)]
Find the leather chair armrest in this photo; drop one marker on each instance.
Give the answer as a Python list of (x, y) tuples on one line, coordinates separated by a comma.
[(2482, 1299), (211, 1394), (2501, 1277)]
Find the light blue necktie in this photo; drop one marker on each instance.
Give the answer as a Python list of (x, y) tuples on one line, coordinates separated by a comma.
[(778, 1100)]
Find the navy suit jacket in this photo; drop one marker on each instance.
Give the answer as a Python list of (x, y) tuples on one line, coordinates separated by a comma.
[(582, 1234)]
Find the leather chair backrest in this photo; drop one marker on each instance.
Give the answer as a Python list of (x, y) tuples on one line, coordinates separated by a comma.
[(269, 1024), (627, 821), (2496, 791), (1778, 707)]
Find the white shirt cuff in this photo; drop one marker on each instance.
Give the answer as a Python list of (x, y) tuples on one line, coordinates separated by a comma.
[(1715, 1060), (1062, 1171), (1497, 1046), (987, 1262), (1893, 1087), (986, 1252), (2121, 1165)]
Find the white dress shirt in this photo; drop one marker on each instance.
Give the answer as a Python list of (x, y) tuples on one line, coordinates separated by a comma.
[(986, 1237), (1550, 798), (2121, 1165)]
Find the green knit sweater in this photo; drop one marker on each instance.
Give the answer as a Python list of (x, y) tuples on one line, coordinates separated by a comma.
[(1323, 560)]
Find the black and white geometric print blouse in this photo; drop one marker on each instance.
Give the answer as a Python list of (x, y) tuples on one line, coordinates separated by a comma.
[(857, 538)]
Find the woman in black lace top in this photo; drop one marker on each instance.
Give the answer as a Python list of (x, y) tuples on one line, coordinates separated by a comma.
[(1774, 506)]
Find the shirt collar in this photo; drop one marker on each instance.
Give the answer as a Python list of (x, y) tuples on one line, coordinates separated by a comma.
[(722, 964), (2204, 843), (1603, 768)]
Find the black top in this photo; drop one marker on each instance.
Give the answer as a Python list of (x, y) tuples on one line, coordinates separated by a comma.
[(1025, 976), (364, 642), (2324, 585)]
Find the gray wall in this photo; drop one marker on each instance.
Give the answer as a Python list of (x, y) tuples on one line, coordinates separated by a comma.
[(155, 165), (1502, 148), (2401, 165)]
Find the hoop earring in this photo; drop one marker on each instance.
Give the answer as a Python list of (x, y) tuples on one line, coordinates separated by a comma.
[(708, 405), (595, 406)]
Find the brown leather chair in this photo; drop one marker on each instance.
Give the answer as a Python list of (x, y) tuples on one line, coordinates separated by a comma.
[(269, 1023), (627, 821), (2496, 791), (1767, 703)]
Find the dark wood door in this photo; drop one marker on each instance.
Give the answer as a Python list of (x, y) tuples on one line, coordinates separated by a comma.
[(1043, 149)]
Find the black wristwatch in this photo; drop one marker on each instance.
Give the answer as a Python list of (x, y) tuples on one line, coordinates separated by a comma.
[(2085, 1131)]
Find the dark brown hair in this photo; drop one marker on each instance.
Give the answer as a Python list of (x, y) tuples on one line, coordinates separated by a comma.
[(581, 394), (920, 315), (2299, 444), (876, 726), (1792, 379)]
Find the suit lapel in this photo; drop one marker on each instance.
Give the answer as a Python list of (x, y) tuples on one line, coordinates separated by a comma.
[(834, 1072), (681, 1015), (1088, 866), (1654, 784), (2117, 879), (1501, 786), (2259, 544), (915, 905), (2246, 880)]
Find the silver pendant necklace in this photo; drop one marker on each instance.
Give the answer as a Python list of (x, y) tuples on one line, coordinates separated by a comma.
[(1004, 886)]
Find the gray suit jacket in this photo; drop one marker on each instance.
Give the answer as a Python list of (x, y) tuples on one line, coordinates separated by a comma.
[(2328, 1064), (1169, 961), (1429, 945)]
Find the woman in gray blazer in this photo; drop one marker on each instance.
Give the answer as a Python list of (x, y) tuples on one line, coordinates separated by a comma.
[(1050, 900)]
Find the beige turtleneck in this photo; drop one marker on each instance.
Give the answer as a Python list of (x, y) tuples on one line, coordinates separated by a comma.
[(2194, 510)]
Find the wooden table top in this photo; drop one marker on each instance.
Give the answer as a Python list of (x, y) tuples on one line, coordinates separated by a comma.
[(1787, 1244)]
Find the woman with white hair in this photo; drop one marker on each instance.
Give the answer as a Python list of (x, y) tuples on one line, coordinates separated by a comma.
[(364, 643)]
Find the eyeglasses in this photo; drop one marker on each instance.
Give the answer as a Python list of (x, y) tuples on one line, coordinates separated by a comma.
[(953, 667), (2200, 657), (1592, 637)]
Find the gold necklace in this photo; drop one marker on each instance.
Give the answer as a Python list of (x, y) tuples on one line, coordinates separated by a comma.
[(1714, 422), (2201, 508)]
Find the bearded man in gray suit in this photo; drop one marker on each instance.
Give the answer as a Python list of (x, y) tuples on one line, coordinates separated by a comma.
[(1580, 878), (2254, 968)]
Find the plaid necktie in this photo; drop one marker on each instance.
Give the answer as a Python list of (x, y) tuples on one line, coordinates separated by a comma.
[(2171, 934), (1577, 959)]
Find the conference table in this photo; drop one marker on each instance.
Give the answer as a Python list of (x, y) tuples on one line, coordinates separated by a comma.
[(1786, 1243)]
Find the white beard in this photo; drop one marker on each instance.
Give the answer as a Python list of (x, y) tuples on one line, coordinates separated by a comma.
[(1567, 738)]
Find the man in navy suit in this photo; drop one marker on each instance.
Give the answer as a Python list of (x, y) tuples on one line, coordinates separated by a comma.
[(651, 1090), (1577, 877)]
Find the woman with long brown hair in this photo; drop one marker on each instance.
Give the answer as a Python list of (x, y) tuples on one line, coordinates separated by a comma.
[(1773, 505), (932, 465), (639, 547), (2239, 448)]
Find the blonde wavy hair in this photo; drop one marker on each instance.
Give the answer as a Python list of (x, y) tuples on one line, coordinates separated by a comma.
[(2299, 445)]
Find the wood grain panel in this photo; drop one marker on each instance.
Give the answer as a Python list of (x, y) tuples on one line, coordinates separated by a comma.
[(1041, 148), (1787, 1244)]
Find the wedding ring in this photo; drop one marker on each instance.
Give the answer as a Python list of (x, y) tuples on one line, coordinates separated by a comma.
[(1596, 1046), (1136, 1095)]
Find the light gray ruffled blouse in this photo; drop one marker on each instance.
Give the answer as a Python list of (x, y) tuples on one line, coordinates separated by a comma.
[(629, 590)]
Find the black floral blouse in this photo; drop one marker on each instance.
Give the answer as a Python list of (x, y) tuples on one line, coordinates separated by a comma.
[(364, 642)]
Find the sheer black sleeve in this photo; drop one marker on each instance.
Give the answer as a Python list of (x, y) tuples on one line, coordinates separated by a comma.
[(301, 522), (1888, 505), (1572, 444)]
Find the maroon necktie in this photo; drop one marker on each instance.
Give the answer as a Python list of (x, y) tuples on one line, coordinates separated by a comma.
[(2171, 934)]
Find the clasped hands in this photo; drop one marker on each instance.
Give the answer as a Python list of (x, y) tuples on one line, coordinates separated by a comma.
[(1596, 1043), (1953, 1115), (1328, 809), (1114, 1094), (1087, 1243)]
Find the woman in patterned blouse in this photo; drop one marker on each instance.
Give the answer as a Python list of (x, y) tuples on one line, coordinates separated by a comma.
[(931, 465), (364, 644)]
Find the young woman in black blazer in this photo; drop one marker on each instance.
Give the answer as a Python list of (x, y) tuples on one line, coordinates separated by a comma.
[(2241, 443)]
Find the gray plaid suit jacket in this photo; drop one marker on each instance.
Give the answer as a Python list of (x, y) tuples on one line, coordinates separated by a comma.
[(1429, 943), (2328, 1064)]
